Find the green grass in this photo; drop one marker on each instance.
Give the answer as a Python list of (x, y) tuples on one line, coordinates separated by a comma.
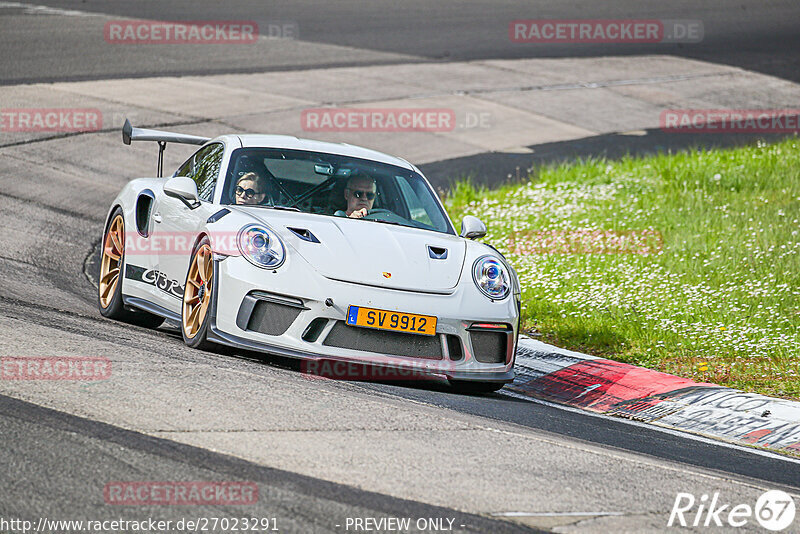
[(720, 300)]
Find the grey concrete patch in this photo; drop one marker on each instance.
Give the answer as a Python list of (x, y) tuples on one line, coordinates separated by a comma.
[(194, 98), (500, 106)]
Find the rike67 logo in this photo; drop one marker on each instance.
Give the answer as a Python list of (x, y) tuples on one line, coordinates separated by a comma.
[(774, 510)]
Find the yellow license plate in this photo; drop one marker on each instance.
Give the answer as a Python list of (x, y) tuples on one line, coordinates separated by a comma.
[(390, 320)]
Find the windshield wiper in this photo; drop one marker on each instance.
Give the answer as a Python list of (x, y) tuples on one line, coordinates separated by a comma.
[(284, 208), (387, 222)]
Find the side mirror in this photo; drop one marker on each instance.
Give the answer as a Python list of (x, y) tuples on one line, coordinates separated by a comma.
[(472, 227), (184, 189)]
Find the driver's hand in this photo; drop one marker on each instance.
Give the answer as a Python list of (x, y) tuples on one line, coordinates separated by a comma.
[(358, 213)]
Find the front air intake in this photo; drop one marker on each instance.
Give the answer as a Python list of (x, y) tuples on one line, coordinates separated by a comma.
[(384, 342), (268, 313), (490, 341), (272, 318), (454, 349), (314, 329)]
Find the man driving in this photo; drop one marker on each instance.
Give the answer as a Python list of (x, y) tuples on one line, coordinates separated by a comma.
[(360, 193)]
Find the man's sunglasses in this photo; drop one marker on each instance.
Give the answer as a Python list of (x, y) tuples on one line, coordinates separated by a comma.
[(369, 195), (248, 193)]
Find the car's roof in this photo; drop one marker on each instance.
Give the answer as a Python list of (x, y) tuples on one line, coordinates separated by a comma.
[(340, 149)]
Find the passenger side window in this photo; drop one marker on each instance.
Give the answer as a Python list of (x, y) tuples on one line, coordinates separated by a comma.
[(186, 168), (203, 168), (416, 209), (207, 163)]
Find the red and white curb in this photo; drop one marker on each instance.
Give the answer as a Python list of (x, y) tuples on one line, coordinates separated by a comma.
[(624, 390)]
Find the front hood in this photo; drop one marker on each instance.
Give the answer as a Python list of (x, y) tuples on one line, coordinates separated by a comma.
[(370, 253)]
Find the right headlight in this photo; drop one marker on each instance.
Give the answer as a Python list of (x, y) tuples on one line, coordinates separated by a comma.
[(492, 277), (261, 246)]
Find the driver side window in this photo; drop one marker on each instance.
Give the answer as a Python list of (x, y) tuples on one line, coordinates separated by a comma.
[(203, 168)]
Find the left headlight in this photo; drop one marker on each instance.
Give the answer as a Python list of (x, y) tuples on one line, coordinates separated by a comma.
[(261, 246), (492, 277)]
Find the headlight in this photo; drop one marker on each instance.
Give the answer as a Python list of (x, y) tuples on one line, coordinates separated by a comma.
[(492, 277), (261, 247)]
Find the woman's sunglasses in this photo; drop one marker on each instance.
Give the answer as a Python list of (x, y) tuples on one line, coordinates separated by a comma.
[(248, 193)]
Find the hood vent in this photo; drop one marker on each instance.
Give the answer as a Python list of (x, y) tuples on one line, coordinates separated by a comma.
[(437, 253), (217, 216), (304, 234)]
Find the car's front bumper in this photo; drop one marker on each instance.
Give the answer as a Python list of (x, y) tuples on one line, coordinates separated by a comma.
[(308, 301)]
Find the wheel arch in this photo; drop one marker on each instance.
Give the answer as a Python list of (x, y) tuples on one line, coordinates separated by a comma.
[(203, 233), (111, 214)]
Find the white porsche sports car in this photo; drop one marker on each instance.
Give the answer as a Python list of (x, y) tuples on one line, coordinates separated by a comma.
[(311, 250)]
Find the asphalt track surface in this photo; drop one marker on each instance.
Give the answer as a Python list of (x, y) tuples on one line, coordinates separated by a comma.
[(41, 477), (53, 462), (756, 35)]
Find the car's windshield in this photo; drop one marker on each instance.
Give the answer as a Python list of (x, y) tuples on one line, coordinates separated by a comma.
[(332, 185)]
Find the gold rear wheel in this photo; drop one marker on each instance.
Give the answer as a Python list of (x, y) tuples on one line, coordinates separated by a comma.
[(110, 300), (197, 294), (111, 263)]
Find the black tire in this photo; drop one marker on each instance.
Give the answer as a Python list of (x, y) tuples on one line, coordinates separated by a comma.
[(469, 386), (112, 305), (198, 339)]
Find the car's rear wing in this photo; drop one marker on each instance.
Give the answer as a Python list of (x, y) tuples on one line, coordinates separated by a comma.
[(129, 133)]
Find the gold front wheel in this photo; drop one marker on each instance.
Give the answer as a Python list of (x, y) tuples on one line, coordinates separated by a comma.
[(197, 294)]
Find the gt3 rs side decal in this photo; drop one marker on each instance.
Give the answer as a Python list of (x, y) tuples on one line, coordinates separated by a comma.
[(155, 278)]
